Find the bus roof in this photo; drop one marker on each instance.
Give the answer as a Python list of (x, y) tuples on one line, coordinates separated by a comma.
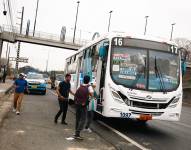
[(110, 35)]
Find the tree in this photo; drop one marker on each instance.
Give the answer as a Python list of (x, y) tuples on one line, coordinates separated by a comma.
[(185, 46), (4, 62), (27, 69)]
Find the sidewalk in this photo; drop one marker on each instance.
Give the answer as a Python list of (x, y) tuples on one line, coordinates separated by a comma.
[(5, 101), (5, 87)]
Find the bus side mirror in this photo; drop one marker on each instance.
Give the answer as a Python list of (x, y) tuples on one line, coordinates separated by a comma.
[(102, 51), (183, 67)]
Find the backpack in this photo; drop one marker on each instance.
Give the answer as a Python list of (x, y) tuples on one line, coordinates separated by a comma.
[(81, 95)]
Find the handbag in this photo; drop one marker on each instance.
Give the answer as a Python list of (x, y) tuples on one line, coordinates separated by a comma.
[(92, 104)]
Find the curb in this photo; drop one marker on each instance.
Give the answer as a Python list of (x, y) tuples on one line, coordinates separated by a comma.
[(5, 108), (2, 94), (6, 105)]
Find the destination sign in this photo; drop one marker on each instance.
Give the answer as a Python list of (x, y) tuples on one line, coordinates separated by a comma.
[(146, 44)]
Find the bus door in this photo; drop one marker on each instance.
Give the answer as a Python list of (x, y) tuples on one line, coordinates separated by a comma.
[(100, 75), (79, 70)]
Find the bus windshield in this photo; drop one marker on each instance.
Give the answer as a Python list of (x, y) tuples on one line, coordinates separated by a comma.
[(145, 69)]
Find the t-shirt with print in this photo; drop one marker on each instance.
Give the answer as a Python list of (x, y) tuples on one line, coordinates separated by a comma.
[(21, 85)]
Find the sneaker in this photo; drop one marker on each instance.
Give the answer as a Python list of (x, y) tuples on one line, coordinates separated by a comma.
[(89, 130), (78, 137), (17, 113), (14, 110)]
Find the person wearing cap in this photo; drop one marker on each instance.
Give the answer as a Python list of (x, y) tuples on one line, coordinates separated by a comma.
[(20, 85)]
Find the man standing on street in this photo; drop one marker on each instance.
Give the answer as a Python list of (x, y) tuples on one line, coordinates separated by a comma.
[(20, 86), (81, 101), (63, 91)]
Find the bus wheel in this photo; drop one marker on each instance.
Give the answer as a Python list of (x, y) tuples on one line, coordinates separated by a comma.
[(142, 122)]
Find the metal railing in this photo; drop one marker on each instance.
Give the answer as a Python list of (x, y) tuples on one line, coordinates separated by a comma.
[(43, 35)]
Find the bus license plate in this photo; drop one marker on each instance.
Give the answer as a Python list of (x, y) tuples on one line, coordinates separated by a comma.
[(34, 86), (145, 117), (125, 115)]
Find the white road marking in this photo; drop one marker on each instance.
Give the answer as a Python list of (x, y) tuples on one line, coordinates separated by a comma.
[(183, 124), (124, 136)]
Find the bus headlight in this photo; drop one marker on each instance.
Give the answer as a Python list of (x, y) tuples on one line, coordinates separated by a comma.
[(116, 96), (175, 100)]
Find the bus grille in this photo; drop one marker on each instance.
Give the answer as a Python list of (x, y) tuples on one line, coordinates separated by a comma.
[(146, 113), (148, 105)]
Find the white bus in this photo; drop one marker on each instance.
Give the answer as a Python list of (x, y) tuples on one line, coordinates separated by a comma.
[(136, 77)]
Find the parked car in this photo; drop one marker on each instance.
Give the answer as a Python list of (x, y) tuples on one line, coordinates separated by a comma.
[(36, 83)]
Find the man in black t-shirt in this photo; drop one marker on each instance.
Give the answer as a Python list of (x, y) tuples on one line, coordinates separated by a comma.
[(63, 91)]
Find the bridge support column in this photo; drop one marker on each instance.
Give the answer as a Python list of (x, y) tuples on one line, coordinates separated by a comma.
[(1, 48)]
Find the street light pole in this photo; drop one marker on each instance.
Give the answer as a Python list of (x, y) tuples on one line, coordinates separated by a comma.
[(35, 17), (172, 30), (109, 20), (47, 61), (146, 17), (78, 2)]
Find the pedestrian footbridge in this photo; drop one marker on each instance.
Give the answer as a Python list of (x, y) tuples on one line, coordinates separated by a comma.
[(12, 35)]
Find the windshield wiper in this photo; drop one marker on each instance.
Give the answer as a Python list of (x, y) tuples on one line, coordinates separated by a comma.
[(159, 75)]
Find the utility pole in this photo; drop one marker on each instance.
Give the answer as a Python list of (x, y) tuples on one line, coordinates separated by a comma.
[(109, 20), (47, 61), (78, 2), (19, 44), (8, 59), (146, 17), (172, 30), (35, 17), (1, 47)]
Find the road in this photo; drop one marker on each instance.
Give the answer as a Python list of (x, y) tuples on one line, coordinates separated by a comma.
[(35, 129), (158, 135)]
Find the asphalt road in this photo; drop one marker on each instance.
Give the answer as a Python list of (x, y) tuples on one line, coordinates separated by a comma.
[(158, 135), (34, 129)]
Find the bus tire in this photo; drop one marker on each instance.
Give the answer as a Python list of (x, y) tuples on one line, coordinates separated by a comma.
[(142, 122)]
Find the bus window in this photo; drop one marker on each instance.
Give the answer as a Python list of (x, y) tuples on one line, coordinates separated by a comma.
[(95, 58)]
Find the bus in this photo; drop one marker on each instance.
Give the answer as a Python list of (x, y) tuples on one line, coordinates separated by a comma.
[(136, 77)]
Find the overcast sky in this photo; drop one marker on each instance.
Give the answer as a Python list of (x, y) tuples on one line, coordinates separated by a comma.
[(128, 16)]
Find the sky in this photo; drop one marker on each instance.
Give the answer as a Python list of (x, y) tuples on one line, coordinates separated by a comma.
[(128, 16)]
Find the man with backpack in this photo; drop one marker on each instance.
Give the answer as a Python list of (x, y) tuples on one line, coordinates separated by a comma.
[(81, 101)]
